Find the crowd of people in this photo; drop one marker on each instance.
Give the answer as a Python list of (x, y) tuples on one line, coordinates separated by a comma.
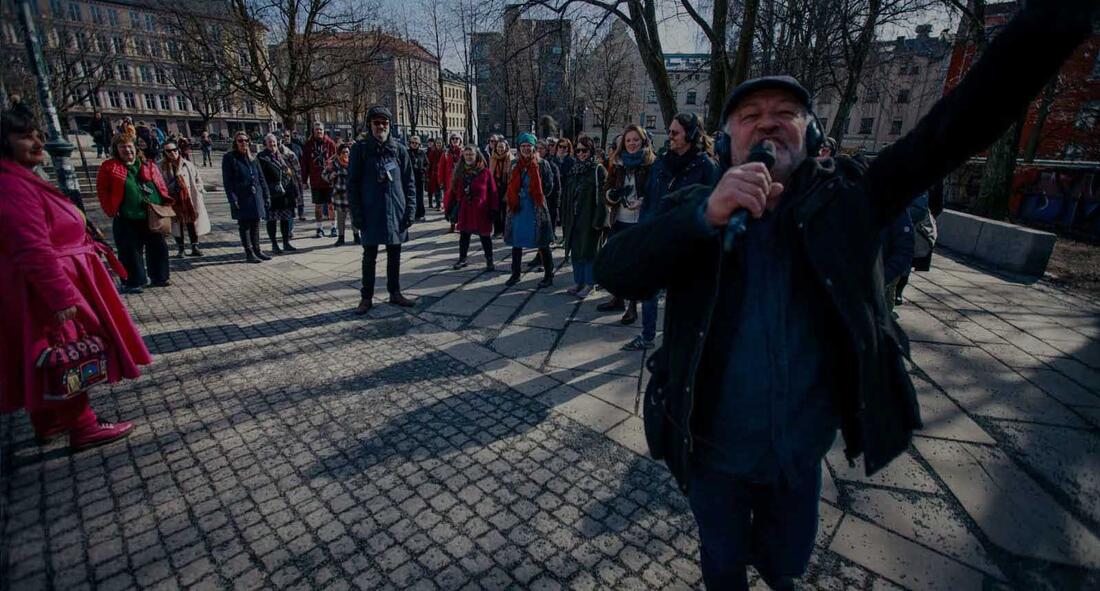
[(780, 260)]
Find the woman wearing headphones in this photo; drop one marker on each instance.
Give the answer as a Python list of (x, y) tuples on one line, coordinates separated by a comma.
[(687, 162), (627, 185)]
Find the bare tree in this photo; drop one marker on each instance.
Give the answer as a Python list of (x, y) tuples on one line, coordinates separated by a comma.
[(80, 65), (608, 74), (288, 54)]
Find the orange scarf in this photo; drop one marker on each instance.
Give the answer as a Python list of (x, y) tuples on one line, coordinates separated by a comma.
[(534, 184)]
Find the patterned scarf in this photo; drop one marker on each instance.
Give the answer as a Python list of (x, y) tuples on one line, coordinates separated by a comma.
[(534, 184)]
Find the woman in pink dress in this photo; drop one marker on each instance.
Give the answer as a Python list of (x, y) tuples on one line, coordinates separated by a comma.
[(54, 281)]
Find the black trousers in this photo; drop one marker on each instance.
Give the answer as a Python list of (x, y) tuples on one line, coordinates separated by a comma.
[(283, 225), (553, 202), (135, 242), (393, 269), (464, 246), (192, 233), (547, 261), (419, 197), (250, 235), (769, 525)]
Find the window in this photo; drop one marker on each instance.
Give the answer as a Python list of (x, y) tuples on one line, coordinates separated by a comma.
[(124, 73), (903, 96), (75, 14), (114, 99), (146, 73), (250, 107), (118, 44), (895, 127), (102, 45), (55, 8), (865, 125), (871, 96), (165, 102), (181, 104), (1088, 116), (150, 23), (131, 100), (112, 17), (555, 50), (651, 97), (162, 76), (651, 122), (95, 100), (691, 96), (150, 101), (154, 48), (97, 14), (135, 19)]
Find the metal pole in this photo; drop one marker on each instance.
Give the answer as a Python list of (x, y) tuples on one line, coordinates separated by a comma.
[(56, 145)]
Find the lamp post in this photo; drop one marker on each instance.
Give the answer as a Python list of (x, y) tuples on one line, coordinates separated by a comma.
[(58, 148)]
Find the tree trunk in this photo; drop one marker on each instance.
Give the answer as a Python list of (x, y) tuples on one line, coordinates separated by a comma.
[(860, 51), (744, 42), (1046, 102), (646, 35), (1000, 167), (721, 73)]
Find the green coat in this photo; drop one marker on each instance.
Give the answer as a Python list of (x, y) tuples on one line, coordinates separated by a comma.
[(586, 198)]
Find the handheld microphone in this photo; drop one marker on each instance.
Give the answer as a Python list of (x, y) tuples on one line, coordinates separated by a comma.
[(763, 152)]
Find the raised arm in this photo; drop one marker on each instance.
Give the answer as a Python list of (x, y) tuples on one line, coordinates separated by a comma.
[(994, 93)]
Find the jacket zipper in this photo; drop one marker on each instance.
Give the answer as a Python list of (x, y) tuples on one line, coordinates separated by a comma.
[(689, 440)]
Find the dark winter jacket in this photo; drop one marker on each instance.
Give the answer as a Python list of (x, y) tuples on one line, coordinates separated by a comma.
[(663, 180), (897, 248), (381, 190), (419, 158), (100, 131), (840, 216), (245, 187), (282, 187)]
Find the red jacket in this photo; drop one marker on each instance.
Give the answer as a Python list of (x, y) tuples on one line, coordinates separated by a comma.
[(447, 165), (434, 155), (110, 184), (475, 215), (315, 156)]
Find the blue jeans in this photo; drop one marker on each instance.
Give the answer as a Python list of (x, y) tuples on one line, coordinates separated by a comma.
[(769, 525), (649, 318), (583, 273)]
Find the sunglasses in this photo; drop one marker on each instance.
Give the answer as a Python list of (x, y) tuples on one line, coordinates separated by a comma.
[(581, 150), (380, 123), (172, 150)]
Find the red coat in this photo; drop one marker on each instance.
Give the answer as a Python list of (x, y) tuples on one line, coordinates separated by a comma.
[(433, 169), (475, 215), (447, 164), (315, 156), (49, 263), (110, 183)]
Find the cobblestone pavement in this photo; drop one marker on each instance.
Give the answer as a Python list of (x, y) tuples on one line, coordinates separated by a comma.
[(489, 439)]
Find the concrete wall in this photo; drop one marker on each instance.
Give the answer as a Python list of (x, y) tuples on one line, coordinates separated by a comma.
[(1001, 245)]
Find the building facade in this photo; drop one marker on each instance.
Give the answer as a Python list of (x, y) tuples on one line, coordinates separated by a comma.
[(902, 80), (127, 45), (521, 74)]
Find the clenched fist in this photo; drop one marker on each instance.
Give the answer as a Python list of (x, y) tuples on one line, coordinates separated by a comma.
[(748, 186)]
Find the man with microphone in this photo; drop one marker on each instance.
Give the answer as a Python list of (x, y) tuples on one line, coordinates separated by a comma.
[(776, 330)]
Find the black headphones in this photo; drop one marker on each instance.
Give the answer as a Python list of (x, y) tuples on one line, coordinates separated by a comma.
[(815, 134)]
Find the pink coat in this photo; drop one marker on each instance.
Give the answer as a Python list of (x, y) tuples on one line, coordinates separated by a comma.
[(50, 263), (476, 215)]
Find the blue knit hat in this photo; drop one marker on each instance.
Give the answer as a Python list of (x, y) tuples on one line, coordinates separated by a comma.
[(526, 138)]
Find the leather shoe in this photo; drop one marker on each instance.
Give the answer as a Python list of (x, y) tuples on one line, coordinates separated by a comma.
[(99, 434), (364, 306), (400, 300), (630, 317), (612, 305), (514, 279)]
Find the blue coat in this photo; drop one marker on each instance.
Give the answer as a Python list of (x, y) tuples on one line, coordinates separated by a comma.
[(245, 187), (381, 191), (700, 171)]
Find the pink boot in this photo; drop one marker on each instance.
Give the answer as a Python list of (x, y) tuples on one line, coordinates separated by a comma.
[(96, 432)]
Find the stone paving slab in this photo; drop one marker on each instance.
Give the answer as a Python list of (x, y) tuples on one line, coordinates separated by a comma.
[(282, 442)]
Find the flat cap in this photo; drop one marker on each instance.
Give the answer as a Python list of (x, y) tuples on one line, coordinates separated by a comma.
[(748, 87), (379, 112)]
